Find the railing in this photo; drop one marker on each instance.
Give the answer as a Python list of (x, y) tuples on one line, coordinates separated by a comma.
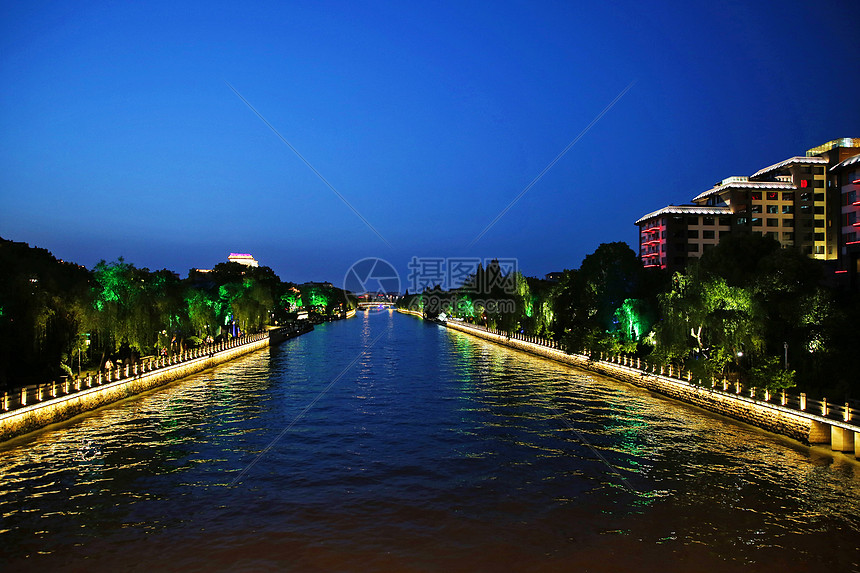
[(35, 393), (516, 336), (848, 411)]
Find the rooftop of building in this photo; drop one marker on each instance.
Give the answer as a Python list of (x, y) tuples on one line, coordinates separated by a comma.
[(685, 210), (844, 142), (797, 160), (847, 163), (742, 183)]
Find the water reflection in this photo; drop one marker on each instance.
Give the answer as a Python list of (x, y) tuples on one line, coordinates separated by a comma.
[(433, 450)]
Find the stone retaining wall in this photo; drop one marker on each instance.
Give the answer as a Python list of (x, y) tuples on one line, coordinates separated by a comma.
[(27, 419), (766, 416)]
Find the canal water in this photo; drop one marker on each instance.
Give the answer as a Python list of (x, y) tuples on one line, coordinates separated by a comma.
[(385, 443)]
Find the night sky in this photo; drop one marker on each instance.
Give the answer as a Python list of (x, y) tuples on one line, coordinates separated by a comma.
[(121, 136)]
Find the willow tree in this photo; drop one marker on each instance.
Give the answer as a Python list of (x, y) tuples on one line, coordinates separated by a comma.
[(136, 308), (709, 325)]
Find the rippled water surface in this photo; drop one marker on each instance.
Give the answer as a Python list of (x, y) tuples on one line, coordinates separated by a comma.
[(384, 443)]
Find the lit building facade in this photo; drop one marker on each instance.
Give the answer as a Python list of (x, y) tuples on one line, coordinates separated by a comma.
[(800, 202), (673, 234), (243, 259), (846, 178), (812, 216)]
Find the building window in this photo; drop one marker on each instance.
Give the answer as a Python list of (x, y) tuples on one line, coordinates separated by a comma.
[(788, 196), (788, 222), (806, 196), (773, 209), (788, 236), (772, 195), (707, 220), (819, 210), (819, 236), (692, 220), (741, 221), (756, 208), (818, 197), (788, 209), (819, 170), (818, 183), (756, 222), (819, 223), (819, 250), (707, 234), (849, 197), (726, 221), (692, 234), (755, 196), (806, 169), (693, 247), (773, 222)]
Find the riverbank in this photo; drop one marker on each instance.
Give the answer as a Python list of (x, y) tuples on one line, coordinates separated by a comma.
[(799, 424), (411, 312), (31, 408)]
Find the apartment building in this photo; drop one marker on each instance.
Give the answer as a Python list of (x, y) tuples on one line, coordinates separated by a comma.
[(799, 201), (846, 179)]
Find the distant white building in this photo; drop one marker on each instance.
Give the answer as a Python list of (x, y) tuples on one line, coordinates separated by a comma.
[(243, 259)]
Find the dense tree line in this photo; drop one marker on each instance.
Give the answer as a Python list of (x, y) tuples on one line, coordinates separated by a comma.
[(748, 310), (57, 317)]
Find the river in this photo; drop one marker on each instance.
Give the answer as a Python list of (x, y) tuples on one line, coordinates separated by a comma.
[(385, 443)]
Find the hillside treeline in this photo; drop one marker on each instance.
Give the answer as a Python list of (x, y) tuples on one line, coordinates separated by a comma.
[(56, 316)]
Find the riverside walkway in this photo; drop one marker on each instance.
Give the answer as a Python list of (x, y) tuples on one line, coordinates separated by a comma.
[(33, 407), (796, 416)]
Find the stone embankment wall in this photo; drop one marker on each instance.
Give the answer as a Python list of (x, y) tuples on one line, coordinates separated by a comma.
[(412, 312), (802, 426), (39, 414)]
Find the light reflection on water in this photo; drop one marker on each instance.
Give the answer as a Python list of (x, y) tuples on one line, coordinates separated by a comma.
[(434, 451)]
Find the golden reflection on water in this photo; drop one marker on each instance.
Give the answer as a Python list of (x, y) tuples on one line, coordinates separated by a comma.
[(436, 451)]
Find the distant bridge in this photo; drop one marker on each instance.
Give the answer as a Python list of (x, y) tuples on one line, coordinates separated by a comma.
[(364, 305)]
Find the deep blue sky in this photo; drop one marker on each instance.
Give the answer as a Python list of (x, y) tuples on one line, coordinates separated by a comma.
[(119, 135)]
